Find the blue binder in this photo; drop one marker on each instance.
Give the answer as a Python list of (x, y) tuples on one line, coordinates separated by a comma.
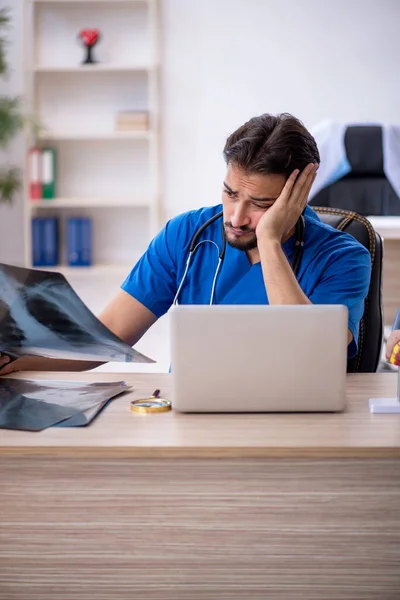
[(37, 248), (44, 242), (86, 242), (50, 242), (79, 242), (73, 242)]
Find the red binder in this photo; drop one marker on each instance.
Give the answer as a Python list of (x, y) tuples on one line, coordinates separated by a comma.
[(34, 174)]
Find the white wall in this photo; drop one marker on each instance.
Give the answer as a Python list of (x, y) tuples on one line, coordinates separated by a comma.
[(11, 217), (227, 60)]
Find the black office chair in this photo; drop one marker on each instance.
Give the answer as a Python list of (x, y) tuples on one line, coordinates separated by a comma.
[(371, 325), (365, 190)]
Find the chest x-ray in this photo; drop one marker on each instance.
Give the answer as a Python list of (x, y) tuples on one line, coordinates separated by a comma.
[(35, 405), (41, 315)]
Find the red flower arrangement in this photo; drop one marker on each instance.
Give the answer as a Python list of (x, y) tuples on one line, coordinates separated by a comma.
[(89, 37)]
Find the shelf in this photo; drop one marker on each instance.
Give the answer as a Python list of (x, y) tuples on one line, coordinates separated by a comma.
[(387, 227), (122, 202), (108, 175), (95, 68), (99, 270), (97, 136), (88, 1)]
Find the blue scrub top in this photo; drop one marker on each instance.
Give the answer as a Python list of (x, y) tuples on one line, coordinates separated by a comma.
[(335, 268)]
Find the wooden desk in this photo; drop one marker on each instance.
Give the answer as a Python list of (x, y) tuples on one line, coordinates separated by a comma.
[(178, 506)]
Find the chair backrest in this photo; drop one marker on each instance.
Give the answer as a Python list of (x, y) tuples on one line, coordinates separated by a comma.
[(366, 189), (371, 325)]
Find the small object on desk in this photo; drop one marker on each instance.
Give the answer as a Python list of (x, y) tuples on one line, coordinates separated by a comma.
[(386, 405), (395, 357), (390, 405), (152, 404)]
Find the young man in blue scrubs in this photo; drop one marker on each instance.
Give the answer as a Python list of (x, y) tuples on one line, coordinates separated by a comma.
[(271, 165)]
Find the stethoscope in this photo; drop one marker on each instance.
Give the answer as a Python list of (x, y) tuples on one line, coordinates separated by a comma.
[(194, 244)]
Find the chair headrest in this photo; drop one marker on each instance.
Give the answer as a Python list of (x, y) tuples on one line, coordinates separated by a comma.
[(364, 150)]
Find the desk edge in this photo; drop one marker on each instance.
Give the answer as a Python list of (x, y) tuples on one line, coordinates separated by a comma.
[(198, 453)]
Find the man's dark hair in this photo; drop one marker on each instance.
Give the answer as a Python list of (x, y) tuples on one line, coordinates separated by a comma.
[(271, 144)]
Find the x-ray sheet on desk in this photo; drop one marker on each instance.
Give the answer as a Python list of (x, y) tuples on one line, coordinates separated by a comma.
[(41, 315), (33, 405)]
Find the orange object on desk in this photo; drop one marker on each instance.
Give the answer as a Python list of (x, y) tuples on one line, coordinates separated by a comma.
[(395, 356)]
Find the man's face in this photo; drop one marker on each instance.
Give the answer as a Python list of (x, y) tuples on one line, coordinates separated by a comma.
[(245, 199)]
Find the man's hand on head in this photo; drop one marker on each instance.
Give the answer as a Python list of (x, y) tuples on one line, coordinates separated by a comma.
[(279, 220)]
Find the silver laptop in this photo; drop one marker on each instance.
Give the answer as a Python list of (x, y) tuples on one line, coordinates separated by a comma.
[(258, 358)]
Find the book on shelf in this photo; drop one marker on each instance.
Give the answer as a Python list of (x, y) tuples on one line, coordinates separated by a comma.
[(132, 121)]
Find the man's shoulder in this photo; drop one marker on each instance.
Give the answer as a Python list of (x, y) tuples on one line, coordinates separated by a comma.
[(185, 225), (197, 216)]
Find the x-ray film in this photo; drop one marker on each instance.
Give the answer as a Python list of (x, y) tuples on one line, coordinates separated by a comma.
[(41, 315), (33, 405)]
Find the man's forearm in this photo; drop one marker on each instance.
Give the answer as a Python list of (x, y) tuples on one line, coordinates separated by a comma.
[(38, 363), (281, 284)]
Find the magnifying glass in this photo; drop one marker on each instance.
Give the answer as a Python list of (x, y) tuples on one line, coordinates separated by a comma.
[(151, 405)]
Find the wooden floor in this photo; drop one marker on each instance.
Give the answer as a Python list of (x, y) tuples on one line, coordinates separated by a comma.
[(98, 529)]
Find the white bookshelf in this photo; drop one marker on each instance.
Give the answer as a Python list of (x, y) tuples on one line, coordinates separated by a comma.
[(95, 68), (95, 135), (79, 203), (99, 271), (108, 175), (86, 1)]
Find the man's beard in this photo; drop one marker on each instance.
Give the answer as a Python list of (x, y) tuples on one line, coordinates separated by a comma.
[(249, 243)]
